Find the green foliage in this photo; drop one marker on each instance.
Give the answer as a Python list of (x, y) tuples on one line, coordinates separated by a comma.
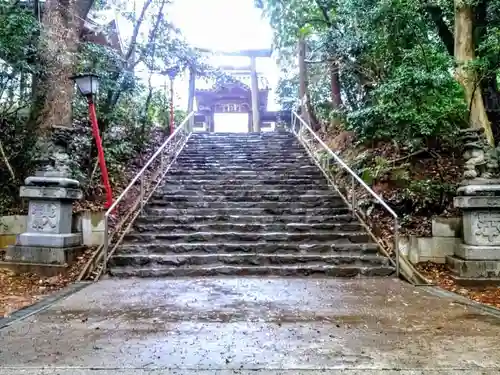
[(133, 114), (396, 77), (411, 105)]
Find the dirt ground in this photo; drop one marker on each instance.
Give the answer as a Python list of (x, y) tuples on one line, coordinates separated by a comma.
[(438, 274), (18, 291)]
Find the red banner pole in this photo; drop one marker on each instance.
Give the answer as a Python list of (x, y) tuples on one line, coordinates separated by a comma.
[(100, 153)]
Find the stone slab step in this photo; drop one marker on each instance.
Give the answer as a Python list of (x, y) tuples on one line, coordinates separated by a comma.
[(319, 270), (242, 159), (243, 165), (228, 140), (247, 247), (245, 219), (233, 189), (248, 183), (275, 133), (244, 138), (155, 210), (256, 175), (221, 237), (240, 259), (264, 198), (246, 227), (251, 135), (241, 152), (309, 170), (256, 143), (271, 195), (333, 202), (217, 189)]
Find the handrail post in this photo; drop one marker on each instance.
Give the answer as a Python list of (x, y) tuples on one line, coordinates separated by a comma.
[(299, 131), (162, 161), (353, 193), (142, 194), (396, 244), (106, 243), (141, 176)]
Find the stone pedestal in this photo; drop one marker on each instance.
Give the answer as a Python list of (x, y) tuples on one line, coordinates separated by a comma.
[(477, 259), (48, 246)]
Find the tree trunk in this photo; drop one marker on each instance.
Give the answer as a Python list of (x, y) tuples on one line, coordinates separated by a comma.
[(464, 54), (192, 89), (303, 79), (307, 110), (335, 85), (335, 91), (58, 47)]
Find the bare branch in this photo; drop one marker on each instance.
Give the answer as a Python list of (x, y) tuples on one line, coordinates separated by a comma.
[(6, 161)]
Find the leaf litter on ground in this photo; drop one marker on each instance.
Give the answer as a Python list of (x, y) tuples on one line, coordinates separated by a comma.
[(18, 291), (441, 276)]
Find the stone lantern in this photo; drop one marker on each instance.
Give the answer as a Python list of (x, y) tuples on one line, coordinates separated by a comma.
[(477, 259), (49, 244)]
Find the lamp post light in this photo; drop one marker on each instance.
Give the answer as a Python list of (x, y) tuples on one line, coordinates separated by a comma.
[(88, 84)]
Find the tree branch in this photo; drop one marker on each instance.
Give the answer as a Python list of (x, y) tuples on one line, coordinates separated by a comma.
[(444, 33), (6, 161)]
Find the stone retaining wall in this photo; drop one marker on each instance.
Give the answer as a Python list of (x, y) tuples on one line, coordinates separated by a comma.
[(90, 224), (446, 236)]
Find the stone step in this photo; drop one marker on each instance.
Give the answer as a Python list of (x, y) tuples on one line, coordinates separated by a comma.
[(247, 247), (232, 137), (218, 169), (236, 160), (206, 237), (244, 138), (244, 259), (243, 175), (246, 227), (246, 148), (256, 142), (245, 219), (232, 166), (228, 153), (249, 182), (274, 133), (243, 194), (261, 197), (260, 140), (240, 205), (156, 210), (221, 189), (321, 270), (279, 145)]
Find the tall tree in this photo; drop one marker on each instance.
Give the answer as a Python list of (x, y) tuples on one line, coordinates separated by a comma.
[(62, 24), (466, 75)]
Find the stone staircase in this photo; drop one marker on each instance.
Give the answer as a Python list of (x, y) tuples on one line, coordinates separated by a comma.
[(246, 204)]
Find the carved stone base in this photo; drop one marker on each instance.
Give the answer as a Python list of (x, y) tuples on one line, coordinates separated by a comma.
[(474, 271), (48, 239), (468, 252), (43, 255), (481, 214), (477, 259)]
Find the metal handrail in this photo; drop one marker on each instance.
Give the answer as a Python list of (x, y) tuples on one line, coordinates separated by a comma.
[(140, 175), (354, 178)]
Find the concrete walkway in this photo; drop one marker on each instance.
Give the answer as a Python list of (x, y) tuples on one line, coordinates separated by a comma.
[(252, 326)]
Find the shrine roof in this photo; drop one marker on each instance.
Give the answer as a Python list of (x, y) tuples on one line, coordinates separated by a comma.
[(238, 83)]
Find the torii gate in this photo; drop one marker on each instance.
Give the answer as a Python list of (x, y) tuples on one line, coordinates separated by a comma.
[(233, 98)]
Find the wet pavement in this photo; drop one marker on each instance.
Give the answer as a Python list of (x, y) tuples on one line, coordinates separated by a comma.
[(252, 326)]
